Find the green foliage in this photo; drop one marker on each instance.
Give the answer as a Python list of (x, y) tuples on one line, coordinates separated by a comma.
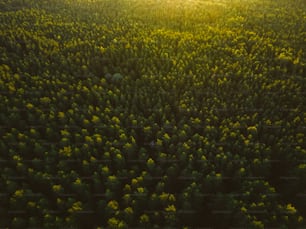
[(152, 114)]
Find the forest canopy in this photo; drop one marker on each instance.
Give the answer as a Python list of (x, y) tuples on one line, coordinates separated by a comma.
[(152, 114)]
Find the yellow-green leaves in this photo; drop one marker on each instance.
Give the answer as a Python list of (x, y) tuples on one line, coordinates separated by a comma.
[(19, 193), (57, 188), (77, 206), (95, 119), (290, 209), (144, 218), (66, 151), (61, 115), (113, 204)]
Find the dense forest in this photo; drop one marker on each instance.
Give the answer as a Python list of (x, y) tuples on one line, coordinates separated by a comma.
[(152, 114)]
